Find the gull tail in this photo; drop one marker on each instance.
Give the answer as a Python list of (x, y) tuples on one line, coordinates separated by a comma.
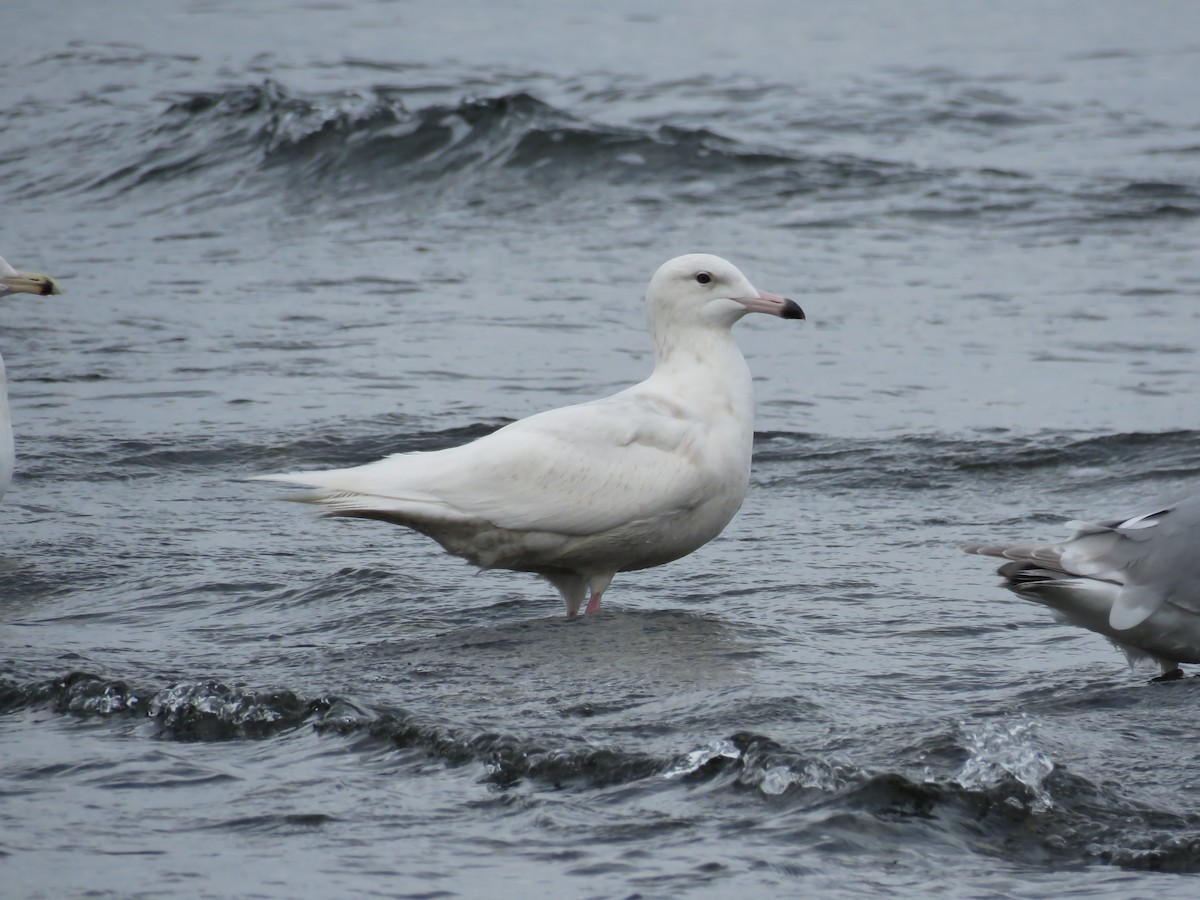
[(345, 492), (1036, 572)]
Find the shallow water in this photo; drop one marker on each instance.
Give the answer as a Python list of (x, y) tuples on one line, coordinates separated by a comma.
[(299, 235)]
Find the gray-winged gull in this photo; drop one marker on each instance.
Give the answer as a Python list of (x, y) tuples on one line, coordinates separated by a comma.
[(1134, 579), (14, 282), (580, 493)]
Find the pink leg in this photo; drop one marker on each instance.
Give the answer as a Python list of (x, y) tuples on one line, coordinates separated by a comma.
[(593, 604)]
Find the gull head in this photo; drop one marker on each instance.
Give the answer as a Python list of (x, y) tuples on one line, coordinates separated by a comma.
[(703, 289), (14, 282)]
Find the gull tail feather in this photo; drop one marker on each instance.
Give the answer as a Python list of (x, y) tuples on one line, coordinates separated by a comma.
[(328, 491)]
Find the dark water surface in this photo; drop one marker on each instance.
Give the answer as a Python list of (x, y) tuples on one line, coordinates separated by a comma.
[(301, 235)]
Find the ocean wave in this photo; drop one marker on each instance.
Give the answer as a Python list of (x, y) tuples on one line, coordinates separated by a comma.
[(913, 461), (917, 460), (240, 143), (396, 148), (1000, 750), (188, 711), (1009, 797), (119, 459), (209, 710)]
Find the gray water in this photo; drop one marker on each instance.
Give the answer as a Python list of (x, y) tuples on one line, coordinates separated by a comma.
[(303, 235)]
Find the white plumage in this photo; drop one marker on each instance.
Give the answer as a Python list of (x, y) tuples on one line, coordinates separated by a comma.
[(14, 282), (1134, 579), (580, 493)]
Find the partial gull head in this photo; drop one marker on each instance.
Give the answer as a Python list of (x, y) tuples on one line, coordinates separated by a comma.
[(13, 281)]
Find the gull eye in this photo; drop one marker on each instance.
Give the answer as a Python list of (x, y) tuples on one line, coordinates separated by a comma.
[(703, 277)]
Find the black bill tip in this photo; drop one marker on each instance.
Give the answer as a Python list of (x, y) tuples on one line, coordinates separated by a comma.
[(791, 310)]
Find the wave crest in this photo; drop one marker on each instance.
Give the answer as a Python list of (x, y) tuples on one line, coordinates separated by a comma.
[(255, 139), (1009, 797)]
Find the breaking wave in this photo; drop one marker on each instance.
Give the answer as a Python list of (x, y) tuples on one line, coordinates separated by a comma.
[(238, 144), (1008, 797)]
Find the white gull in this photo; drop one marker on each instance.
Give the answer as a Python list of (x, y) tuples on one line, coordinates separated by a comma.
[(14, 282), (1134, 578), (580, 493)]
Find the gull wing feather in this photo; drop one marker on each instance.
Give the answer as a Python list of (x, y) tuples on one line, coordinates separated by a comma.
[(1151, 555), (576, 470)]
